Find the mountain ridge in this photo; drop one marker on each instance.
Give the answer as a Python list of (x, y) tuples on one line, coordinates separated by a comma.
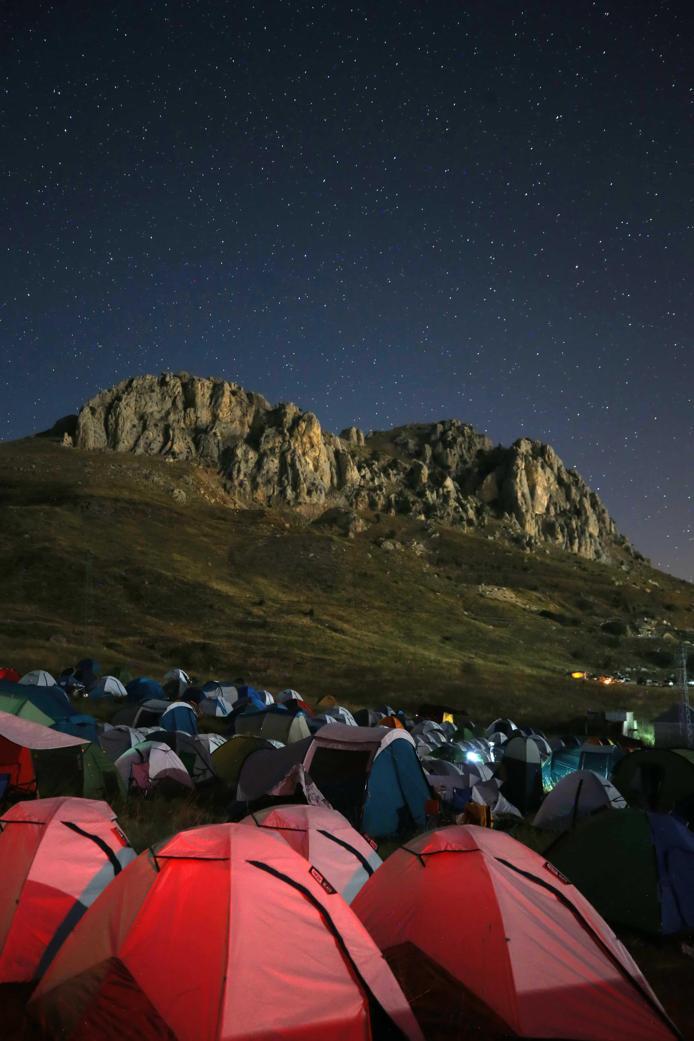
[(280, 455)]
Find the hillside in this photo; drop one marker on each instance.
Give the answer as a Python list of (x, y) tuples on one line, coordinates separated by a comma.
[(143, 561)]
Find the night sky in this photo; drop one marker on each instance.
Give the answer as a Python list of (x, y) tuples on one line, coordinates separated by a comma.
[(386, 212)]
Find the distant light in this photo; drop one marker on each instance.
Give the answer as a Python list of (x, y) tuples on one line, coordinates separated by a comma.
[(473, 757)]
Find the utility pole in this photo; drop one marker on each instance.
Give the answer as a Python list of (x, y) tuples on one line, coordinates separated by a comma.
[(687, 721)]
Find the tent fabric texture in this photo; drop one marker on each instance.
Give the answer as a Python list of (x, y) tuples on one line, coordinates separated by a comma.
[(26, 747), (150, 765), (108, 687), (636, 868), (536, 961), (38, 678), (37, 703), (522, 773), (57, 856), (372, 775), (266, 767), (142, 688), (576, 796), (179, 716), (228, 759), (275, 724), (176, 942), (658, 779), (326, 840)]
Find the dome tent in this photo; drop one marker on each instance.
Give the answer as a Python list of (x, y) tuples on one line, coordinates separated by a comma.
[(38, 678), (57, 855), (636, 868), (327, 840), (152, 764), (249, 903), (108, 687), (536, 961), (577, 795), (522, 773), (372, 775), (658, 779)]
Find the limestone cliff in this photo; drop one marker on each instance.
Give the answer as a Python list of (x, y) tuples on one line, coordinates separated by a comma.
[(280, 455)]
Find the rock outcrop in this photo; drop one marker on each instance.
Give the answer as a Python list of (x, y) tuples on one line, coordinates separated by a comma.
[(270, 455)]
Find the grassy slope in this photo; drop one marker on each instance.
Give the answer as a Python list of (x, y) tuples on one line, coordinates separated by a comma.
[(97, 558)]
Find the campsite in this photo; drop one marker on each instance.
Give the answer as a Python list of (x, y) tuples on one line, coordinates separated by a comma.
[(398, 874)]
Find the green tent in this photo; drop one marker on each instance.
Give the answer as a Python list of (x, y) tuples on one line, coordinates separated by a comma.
[(24, 709), (84, 771), (658, 779), (228, 759), (636, 868)]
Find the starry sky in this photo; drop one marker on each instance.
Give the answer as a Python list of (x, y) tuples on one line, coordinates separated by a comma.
[(393, 211)]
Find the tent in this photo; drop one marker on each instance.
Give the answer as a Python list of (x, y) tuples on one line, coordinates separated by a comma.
[(176, 682), (57, 855), (488, 942), (221, 689), (87, 672), (178, 945), (214, 705), (577, 795), (27, 749), (274, 723), (372, 775), (179, 716), (522, 773), (38, 678), (658, 779), (142, 688), (152, 764), (601, 759), (149, 713), (502, 726), (108, 687), (264, 769), (367, 717), (8, 673), (80, 725), (327, 840), (228, 759), (50, 702), (194, 751), (116, 740), (636, 868)]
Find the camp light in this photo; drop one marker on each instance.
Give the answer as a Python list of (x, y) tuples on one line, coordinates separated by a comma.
[(473, 757)]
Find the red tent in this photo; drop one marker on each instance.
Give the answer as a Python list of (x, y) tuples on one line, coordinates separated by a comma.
[(325, 838), (484, 935), (56, 856), (221, 933), (18, 738), (10, 674)]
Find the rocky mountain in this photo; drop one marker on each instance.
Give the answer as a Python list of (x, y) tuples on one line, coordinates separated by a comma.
[(279, 455)]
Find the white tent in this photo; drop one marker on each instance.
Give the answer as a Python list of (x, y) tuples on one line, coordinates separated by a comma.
[(149, 764), (38, 678), (577, 795)]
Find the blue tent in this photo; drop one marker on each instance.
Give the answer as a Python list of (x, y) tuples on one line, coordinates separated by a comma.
[(52, 701), (179, 716), (372, 776), (396, 793), (79, 726), (601, 759), (142, 688)]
